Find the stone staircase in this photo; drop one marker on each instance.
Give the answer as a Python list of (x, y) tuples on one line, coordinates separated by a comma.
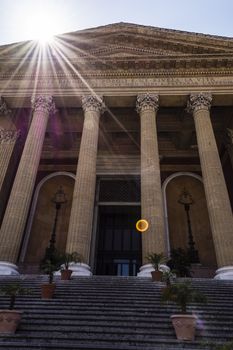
[(121, 313)]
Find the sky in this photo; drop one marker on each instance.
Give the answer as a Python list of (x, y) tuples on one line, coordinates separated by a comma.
[(22, 20)]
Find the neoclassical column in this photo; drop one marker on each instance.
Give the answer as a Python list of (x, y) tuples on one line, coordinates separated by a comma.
[(15, 217), (80, 225), (4, 110), (153, 240), (218, 203), (7, 143)]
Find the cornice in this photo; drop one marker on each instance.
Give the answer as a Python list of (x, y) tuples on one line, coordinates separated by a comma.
[(168, 63), (132, 28)]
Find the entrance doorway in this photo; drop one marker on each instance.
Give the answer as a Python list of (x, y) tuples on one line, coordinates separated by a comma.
[(118, 242)]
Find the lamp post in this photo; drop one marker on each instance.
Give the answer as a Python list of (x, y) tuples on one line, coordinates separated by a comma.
[(58, 199), (186, 200)]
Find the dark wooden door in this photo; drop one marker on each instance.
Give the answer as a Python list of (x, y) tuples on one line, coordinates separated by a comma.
[(119, 243)]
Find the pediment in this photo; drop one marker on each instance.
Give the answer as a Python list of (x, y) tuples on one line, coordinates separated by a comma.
[(127, 47), (127, 40)]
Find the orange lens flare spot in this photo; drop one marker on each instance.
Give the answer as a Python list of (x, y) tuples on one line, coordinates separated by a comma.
[(142, 225)]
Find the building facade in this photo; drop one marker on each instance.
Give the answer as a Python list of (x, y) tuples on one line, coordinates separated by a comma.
[(132, 122)]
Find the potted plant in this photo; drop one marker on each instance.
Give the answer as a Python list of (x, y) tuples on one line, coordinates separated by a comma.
[(156, 260), (10, 318), (167, 277), (183, 294), (225, 346), (66, 260), (49, 267)]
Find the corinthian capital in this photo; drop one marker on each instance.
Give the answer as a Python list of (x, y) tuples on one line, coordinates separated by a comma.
[(93, 103), (8, 136), (43, 104), (4, 110), (198, 101), (147, 101)]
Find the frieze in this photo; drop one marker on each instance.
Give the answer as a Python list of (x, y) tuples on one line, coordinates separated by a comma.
[(121, 82)]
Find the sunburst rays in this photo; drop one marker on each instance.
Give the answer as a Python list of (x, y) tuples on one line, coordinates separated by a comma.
[(67, 57)]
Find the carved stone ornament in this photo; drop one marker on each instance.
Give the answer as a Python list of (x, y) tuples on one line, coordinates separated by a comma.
[(147, 101), (4, 110), (198, 101), (43, 104), (8, 136), (93, 103)]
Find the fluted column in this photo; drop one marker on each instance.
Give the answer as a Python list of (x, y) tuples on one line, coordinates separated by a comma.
[(15, 217), (80, 225), (218, 203), (7, 143), (4, 109), (153, 240)]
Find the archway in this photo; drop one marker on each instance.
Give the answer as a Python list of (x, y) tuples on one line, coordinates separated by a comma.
[(176, 220), (42, 215)]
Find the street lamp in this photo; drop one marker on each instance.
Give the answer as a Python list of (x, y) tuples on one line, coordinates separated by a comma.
[(58, 199), (186, 200)]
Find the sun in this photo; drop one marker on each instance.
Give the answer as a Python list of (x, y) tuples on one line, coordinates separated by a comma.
[(42, 26)]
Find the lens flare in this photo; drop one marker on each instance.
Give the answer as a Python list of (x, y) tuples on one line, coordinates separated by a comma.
[(142, 225)]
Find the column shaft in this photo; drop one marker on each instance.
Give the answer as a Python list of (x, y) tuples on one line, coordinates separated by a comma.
[(80, 226), (18, 204), (218, 203), (153, 240), (7, 144)]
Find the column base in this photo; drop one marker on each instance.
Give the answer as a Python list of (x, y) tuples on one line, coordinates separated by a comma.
[(224, 273), (145, 270), (8, 269), (80, 269)]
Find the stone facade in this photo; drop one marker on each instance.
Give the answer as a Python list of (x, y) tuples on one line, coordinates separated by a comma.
[(131, 103)]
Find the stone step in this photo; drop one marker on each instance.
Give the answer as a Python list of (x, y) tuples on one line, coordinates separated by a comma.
[(163, 345), (108, 313)]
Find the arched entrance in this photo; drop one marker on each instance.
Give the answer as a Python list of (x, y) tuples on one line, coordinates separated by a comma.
[(42, 216), (176, 219)]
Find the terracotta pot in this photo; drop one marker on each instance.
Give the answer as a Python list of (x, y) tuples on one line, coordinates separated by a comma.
[(66, 274), (156, 276), (185, 326), (9, 320), (47, 290)]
